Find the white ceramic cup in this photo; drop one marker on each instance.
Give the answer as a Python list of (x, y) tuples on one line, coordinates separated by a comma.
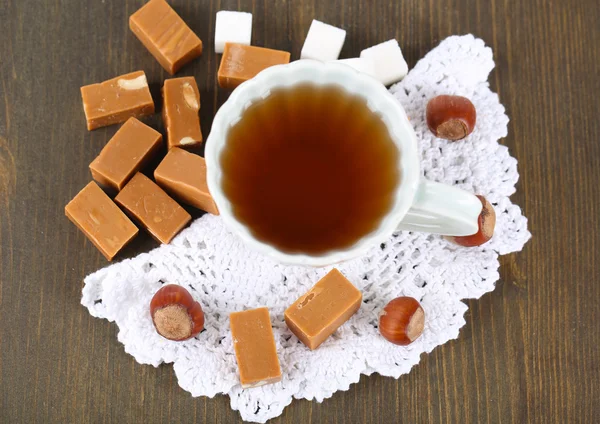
[(419, 205)]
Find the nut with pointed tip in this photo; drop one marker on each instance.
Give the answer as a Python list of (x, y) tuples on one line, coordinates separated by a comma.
[(175, 313), (402, 321), (451, 117), (486, 223)]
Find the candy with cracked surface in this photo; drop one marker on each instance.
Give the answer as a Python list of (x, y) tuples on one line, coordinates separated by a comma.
[(166, 36), (125, 154), (323, 309), (116, 100), (240, 63), (148, 204), (183, 175), (181, 105), (102, 222), (255, 348)]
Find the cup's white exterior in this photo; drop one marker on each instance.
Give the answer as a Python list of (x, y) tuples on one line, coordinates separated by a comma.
[(424, 216)]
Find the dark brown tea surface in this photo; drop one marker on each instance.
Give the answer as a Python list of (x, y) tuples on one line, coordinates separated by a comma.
[(310, 169)]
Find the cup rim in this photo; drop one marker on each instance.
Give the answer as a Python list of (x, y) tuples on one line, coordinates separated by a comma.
[(379, 100)]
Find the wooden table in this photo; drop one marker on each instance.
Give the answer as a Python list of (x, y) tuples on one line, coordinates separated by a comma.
[(529, 352)]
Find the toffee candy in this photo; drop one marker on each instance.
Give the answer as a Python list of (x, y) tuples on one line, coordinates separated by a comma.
[(240, 63), (323, 42), (116, 100), (126, 153), (255, 348), (390, 65), (166, 36), (160, 215), (323, 309), (232, 27), (183, 175), (180, 112), (102, 222)]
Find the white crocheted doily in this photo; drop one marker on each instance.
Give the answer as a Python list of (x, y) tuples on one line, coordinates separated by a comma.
[(224, 276)]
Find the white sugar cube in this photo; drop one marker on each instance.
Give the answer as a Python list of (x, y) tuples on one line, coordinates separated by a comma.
[(364, 65), (390, 65), (232, 27), (323, 42)]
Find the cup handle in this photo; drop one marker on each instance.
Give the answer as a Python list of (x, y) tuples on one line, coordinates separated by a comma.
[(442, 209)]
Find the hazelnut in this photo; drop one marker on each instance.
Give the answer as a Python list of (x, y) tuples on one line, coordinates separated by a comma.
[(451, 117), (486, 223), (189, 95), (175, 314), (402, 321), (133, 84), (186, 140)]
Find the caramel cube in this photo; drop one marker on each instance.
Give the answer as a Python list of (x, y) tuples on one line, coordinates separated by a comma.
[(180, 112), (125, 154), (255, 348), (183, 175), (117, 100), (102, 222), (240, 63), (166, 36), (323, 309), (160, 215)]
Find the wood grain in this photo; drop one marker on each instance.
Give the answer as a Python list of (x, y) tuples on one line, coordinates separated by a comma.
[(530, 350)]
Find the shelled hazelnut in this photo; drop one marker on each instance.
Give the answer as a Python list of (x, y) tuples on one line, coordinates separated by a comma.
[(175, 314), (451, 117), (486, 223), (402, 321)]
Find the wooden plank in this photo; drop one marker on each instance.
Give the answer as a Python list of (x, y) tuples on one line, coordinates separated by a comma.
[(529, 351)]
